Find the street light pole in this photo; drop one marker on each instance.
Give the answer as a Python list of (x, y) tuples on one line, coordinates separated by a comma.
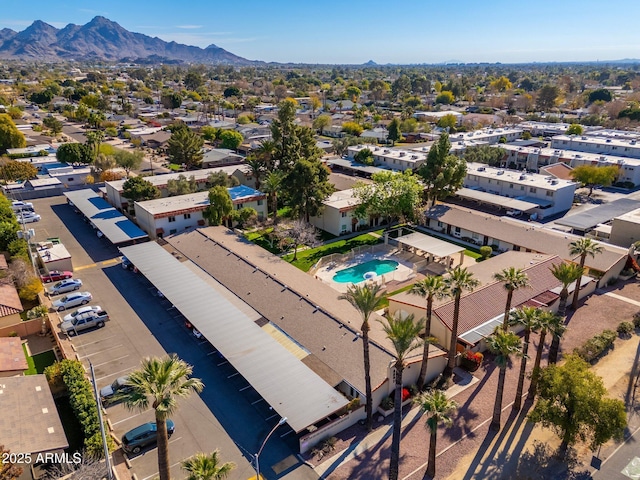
[(282, 421), (102, 432)]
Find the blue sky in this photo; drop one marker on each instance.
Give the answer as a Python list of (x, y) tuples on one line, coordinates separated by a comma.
[(355, 31)]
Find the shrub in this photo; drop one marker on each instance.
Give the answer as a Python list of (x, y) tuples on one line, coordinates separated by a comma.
[(625, 329), (405, 394), (37, 312), (636, 319), (31, 290), (485, 252), (387, 403), (595, 347)]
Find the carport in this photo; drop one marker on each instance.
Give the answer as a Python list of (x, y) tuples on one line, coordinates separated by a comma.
[(431, 248), (494, 200), (109, 221), (291, 388)]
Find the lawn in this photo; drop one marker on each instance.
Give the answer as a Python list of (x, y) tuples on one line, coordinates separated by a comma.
[(32, 366), (385, 302), (39, 362), (308, 258)]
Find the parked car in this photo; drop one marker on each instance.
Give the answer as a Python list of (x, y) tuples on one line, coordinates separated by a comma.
[(18, 206), (84, 321), (140, 437), (80, 311), (72, 300), (118, 387), (28, 217), (56, 276), (64, 286), (126, 263)]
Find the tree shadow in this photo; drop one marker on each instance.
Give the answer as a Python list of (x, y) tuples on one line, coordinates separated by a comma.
[(543, 463)]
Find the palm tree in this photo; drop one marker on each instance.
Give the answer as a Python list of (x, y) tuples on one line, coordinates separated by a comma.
[(457, 282), (272, 186), (582, 247), (528, 317), (546, 321), (158, 384), (266, 152), (438, 408), (366, 299), (557, 329), (256, 165), (566, 273), (513, 279), (503, 344), (404, 336), (207, 467), (431, 287)]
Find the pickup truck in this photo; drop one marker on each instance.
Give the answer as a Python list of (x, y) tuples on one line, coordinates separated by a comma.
[(84, 321)]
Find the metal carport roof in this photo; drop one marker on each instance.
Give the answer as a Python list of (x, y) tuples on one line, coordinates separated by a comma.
[(431, 245), (113, 224), (289, 386), (588, 219), (498, 200)]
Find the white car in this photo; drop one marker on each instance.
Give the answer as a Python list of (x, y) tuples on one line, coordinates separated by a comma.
[(72, 300), (64, 286), (28, 217), (80, 311), (18, 206)]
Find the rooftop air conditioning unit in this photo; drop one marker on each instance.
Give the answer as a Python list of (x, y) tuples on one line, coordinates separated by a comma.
[(402, 154), (554, 182), (523, 177), (500, 172), (481, 169), (386, 151)]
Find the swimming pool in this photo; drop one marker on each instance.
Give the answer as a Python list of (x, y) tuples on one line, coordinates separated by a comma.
[(357, 273)]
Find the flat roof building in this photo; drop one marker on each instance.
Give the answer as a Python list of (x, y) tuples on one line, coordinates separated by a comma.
[(390, 158)]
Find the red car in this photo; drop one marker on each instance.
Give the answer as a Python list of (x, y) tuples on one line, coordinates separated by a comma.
[(55, 276)]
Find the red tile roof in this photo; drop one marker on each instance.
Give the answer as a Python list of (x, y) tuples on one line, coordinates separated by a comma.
[(9, 300), (488, 302)]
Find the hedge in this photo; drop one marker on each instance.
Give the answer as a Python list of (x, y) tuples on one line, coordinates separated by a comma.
[(596, 346), (71, 373)]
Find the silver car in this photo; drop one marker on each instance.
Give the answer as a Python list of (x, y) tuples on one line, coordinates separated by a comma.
[(72, 300), (80, 311), (64, 286)]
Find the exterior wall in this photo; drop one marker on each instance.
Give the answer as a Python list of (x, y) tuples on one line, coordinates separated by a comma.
[(624, 232), (331, 220), (23, 329), (308, 441), (260, 206), (613, 272), (438, 330), (592, 145)]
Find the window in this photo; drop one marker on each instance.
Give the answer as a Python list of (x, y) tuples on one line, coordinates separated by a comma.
[(187, 216), (172, 219), (533, 189), (549, 193), (521, 187), (172, 231), (511, 185), (70, 179), (239, 206), (457, 229), (343, 214), (343, 228), (260, 202), (440, 224)]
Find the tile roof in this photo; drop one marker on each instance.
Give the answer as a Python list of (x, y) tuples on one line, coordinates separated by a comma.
[(12, 357), (9, 300)]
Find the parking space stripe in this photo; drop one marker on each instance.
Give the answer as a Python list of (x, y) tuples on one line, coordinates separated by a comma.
[(115, 373), (112, 360), (156, 474), (125, 419), (92, 343), (100, 351)]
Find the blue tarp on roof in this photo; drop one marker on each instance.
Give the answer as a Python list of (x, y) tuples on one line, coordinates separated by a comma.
[(242, 191)]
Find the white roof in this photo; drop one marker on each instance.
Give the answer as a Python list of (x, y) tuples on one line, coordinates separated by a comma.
[(200, 175), (342, 199), (431, 245), (494, 199), (517, 177), (288, 385)]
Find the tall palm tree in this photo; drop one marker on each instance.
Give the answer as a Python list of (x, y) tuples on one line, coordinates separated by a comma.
[(457, 281), (566, 273), (503, 344), (438, 409), (513, 279), (207, 467), (557, 329), (158, 384), (273, 186), (267, 152), (431, 287), (256, 165), (546, 321), (529, 318), (366, 299), (582, 247), (403, 333)]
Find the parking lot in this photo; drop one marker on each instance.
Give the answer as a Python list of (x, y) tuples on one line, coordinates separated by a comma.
[(228, 415)]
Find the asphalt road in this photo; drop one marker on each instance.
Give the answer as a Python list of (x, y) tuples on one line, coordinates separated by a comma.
[(228, 414)]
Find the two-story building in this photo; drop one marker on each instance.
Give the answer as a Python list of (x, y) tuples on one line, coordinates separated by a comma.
[(601, 145), (391, 158), (338, 214), (170, 215)]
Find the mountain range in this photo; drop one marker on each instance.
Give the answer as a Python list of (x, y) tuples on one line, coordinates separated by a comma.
[(102, 39)]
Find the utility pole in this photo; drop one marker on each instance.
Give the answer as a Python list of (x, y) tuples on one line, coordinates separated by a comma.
[(102, 432)]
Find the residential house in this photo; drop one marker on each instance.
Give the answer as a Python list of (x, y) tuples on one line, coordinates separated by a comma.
[(12, 360), (218, 157), (338, 214)]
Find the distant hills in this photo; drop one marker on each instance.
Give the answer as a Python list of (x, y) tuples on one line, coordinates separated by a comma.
[(102, 39)]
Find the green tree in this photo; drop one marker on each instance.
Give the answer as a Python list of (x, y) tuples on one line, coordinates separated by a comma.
[(10, 136), (366, 299), (210, 133), (572, 402), (445, 97), (12, 170), (207, 467), (566, 273), (448, 121), (52, 124), (394, 133), (291, 141), (352, 128), (307, 185), (457, 281), (137, 189), (503, 344), (75, 153), (353, 93), (404, 335), (222, 179), (582, 247), (487, 154), (601, 94), (128, 160), (438, 408), (158, 384), (94, 140), (220, 206), (321, 122), (272, 187), (231, 139), (391, 196), (364, 156), (171, 100), (182, 185), (430, 288), (193, 80), (443, 174), (529, 318), (185, 147), (590, 175), (547, 321), (575, 129), (547, 97), (501, 84), (512, 279)]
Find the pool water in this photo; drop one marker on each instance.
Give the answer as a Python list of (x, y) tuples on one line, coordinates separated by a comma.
[(356, 273)]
